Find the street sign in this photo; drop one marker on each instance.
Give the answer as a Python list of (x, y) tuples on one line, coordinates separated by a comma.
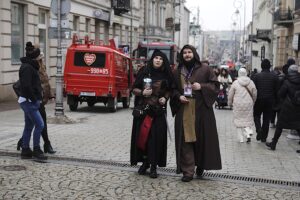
[(65, 23), (65, 7), (65, 33)]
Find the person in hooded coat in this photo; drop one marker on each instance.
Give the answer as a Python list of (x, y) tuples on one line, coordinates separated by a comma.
[(242, 96), (155, 99), (196, 137), (289, 115)]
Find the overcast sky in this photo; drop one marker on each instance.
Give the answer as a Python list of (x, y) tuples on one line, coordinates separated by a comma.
[(217, 14)]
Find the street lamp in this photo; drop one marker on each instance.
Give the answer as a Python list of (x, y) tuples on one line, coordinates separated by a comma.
[(238, 4)]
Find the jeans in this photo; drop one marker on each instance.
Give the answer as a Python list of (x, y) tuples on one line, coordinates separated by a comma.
[(33, 119)]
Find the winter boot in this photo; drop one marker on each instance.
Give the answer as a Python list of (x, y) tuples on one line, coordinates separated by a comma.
[(26, 153), (48, 148), (38, 154), (153, 172), (272, 145), (143, 168)]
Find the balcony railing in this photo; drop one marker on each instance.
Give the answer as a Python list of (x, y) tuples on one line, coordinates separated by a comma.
[(283, 17), (120, 6)]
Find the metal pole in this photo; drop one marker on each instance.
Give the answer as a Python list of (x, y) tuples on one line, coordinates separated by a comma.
[(251, 57), (244, 29), (272, 35), (59, 108), (131, 29)]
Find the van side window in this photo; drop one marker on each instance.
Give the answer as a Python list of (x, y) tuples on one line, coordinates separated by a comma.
[(89, 59)]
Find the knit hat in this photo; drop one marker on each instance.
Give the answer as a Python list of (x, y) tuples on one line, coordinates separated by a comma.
[(265, 64), (31, 51), (242, 72), (293, 68)]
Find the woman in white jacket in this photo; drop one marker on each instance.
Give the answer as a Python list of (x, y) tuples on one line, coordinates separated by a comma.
[(242, 96)]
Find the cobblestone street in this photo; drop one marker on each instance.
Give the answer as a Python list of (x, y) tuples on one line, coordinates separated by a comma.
[(62, 181), (99, 135)]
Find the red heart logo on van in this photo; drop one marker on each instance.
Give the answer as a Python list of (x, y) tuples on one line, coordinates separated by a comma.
[(89, 58)]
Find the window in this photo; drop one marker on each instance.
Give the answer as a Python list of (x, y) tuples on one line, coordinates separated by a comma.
[(86, 59), (87, 25), (17, 32), (76, 23), (126, 34), (42, 31)]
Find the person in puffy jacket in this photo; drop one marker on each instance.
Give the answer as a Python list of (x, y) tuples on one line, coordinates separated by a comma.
[(242, 96)]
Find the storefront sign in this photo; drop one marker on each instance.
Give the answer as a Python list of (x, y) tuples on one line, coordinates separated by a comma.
[(296, 42)]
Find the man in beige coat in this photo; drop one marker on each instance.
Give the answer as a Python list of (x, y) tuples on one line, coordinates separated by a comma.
[(242, 96)]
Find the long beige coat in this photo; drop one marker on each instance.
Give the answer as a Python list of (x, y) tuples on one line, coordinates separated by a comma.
[(242, 101)]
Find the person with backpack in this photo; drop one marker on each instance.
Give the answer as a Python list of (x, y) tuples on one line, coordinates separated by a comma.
[(289, 116), (30, 99)]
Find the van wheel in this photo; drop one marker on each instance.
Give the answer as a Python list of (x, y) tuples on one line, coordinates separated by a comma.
[(126, 102), (112, 104), (91, 103), (74, 106)]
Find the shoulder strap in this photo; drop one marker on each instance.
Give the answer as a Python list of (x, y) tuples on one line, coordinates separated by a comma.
[(249, 92)]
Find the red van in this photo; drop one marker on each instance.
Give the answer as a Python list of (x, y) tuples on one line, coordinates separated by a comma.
[(97, 73)]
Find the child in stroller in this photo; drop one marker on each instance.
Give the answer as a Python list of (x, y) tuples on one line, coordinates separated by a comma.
[(222, 96)]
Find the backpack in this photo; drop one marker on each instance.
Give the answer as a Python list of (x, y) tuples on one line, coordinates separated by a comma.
[(17, 88), (296, 98)]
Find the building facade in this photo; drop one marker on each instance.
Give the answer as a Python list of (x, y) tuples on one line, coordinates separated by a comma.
[(262, 30), (286, 31), (29, 20)]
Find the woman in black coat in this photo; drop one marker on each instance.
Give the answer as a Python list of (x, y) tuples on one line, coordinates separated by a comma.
[(154, 98), (289, 116)]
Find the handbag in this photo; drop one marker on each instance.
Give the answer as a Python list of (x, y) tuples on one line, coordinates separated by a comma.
[(139, 110), (144, 132)]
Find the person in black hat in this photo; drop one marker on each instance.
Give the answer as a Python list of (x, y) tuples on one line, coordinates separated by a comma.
[(153, 86), (267, 84), (29, 100)]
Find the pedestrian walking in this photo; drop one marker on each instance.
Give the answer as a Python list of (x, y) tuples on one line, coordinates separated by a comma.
[(277, 102), (47, 95), (293, 135), (29, 100), (153, 86), (267, 86), (196, 137), (242, 96), (289, 116)]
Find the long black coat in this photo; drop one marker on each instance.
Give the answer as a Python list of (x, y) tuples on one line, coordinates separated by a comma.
[(289, 116), (156, 149), (207, 152)]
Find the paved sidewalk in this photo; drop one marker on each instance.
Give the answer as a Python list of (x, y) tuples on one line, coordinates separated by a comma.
[(102, 135)]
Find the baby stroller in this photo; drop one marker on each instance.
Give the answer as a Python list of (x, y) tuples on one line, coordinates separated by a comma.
[(222, 100)]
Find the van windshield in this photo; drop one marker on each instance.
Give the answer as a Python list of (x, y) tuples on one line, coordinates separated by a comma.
[(89, 59)]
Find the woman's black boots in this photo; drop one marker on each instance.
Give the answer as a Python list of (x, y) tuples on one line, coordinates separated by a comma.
[(143, 168), (48, 148), (19, 145), (153, 172)]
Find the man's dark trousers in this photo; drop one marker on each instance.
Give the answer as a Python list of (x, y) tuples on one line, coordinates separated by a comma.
[(262, 107)]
